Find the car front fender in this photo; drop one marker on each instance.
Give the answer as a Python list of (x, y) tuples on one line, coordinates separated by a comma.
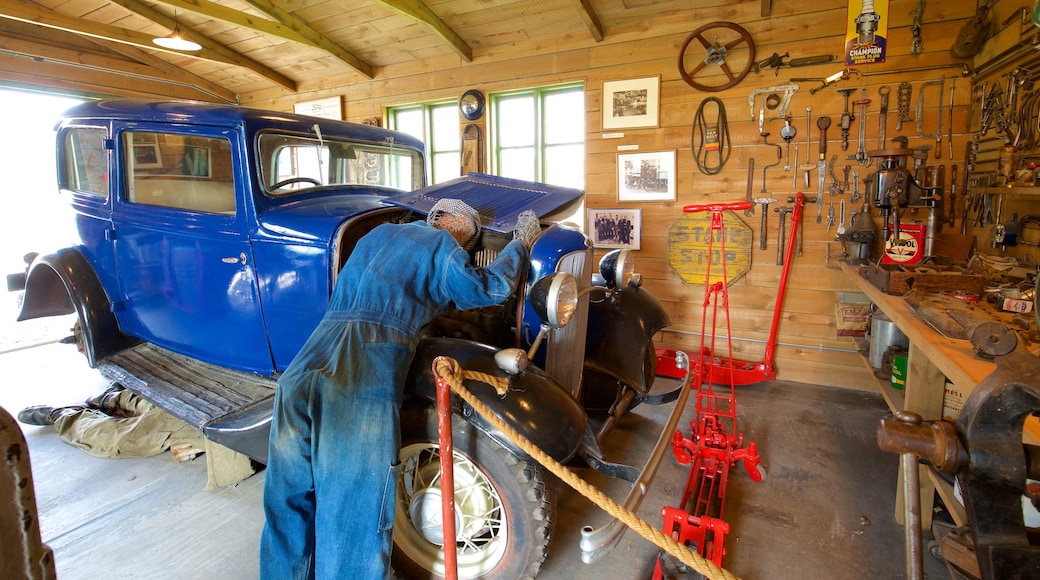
[(64, 283), (619, 335), (536, 406)]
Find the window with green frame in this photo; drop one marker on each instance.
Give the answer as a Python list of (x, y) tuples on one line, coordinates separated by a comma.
[(437, 124), (539, 135)]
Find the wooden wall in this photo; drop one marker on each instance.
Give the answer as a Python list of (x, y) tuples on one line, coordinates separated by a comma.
[(809, 350)]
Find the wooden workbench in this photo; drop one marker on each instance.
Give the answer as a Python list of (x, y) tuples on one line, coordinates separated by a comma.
[(931, 360)]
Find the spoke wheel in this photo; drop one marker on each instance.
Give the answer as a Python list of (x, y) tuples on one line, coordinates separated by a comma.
[(723, 41), (503, 509)]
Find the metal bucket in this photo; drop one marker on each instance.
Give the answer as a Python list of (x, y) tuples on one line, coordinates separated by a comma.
[(883, 334)]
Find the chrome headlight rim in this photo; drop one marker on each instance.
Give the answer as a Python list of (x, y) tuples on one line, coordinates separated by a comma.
[(618, 268), (555, 298)]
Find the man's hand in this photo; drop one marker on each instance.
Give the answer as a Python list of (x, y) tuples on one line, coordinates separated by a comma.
[(527, 228)]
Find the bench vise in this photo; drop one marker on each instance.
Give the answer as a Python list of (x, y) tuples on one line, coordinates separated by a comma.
[(984, 450)]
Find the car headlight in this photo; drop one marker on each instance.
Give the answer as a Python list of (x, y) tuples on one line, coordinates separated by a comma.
[(555, 298), (618, 268)]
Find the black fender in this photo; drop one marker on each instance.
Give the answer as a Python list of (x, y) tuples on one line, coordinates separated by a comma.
[(619, 335), (536, 406), (64, 283)]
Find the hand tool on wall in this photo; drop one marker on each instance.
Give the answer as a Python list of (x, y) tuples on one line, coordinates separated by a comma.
[(855, 187), (845, 183), (808, 165), (846, 119), (781, 239), (777, 60), (787, 133), (883, 117), (861, 151), (762, 235), (970, 195), (788, 90), (794, 174), (839, 76), (920, 113), (834, 187), (779, 156), (916, 45), (750, 186), (949, 120), (903, 93), (953, 194), (841, 224), (822, 123), (830, 217)]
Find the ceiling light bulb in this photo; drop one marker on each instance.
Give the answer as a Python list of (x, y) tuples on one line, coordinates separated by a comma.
[(175, 41)]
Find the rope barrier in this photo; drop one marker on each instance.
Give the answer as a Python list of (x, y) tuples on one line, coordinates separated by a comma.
[(449, 370)]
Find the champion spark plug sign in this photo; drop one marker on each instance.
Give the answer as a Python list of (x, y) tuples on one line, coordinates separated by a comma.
[(688, 241), (866, 32)]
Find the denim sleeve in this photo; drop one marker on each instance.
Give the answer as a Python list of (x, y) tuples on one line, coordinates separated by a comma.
[(470, 287)]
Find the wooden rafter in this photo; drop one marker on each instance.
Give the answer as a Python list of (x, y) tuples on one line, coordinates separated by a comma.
[(211, 51), (588, 15), (143, 65), (209, 45), (285, 25), (421, 13)]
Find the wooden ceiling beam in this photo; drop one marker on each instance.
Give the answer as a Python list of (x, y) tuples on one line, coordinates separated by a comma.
[(156, 70), (421, 13), (588, 15), (211, 51), (210, 46), (286, 26)]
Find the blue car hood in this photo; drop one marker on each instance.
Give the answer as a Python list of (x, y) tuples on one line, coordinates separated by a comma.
[(498, 199), (317, 218)]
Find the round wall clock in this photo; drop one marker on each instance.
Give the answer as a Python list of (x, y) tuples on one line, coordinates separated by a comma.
[(471, 105)]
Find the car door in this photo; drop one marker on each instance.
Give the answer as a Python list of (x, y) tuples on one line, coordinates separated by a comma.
[(182, 249)]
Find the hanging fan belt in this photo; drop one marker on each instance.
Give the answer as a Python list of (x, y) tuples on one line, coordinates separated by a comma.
[(710, 143)]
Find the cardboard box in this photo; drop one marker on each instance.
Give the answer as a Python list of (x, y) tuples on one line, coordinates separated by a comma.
[(953, 401)]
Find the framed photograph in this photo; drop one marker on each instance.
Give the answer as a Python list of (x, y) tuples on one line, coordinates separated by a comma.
[(631, 104), (646, 176), (616, 227), (147, 154), (327, 108)]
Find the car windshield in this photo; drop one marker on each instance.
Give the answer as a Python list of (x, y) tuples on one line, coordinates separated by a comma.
[(291, 163)]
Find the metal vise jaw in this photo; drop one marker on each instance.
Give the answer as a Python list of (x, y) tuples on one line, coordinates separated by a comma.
[(985, 451), (788, 89)]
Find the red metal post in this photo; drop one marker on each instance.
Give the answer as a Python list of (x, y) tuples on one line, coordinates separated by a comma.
[(447, 452)]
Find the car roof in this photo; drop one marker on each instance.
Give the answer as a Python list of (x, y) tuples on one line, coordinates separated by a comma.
[(200, 113)]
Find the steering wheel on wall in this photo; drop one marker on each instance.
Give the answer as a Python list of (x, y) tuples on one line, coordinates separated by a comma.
[(733, 37)]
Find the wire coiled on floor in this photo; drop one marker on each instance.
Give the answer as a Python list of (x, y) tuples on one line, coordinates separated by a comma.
[(705, 140)]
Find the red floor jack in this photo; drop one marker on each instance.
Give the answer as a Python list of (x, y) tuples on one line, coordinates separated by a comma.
[(715, 446), (726, 369)]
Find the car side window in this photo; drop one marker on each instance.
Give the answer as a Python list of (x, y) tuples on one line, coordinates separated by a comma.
[(85, 161), (187, 172)]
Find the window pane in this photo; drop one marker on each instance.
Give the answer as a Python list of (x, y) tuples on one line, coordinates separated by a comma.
[(565, 117), (86, 161), (518, 164), (179, 171), (409, 121), (516, 121), (445, 120), (445, 166), (565, 166)]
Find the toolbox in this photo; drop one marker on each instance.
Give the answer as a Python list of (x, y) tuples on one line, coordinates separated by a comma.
[(899, 279)]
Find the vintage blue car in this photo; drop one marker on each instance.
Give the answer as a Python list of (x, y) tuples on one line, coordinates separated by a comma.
[(207, 241)]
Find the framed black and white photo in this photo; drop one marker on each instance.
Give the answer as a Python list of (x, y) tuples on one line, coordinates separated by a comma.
[(646, 176), (631, 104), (615, 227), (327, 108)]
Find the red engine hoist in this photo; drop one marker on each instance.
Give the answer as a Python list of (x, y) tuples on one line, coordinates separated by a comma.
[(714, 445)]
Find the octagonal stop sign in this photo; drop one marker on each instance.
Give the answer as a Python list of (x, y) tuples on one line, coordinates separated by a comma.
[(688, 240)]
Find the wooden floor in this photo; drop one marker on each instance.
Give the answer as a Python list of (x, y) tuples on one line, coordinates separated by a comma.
[(824, 511)]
